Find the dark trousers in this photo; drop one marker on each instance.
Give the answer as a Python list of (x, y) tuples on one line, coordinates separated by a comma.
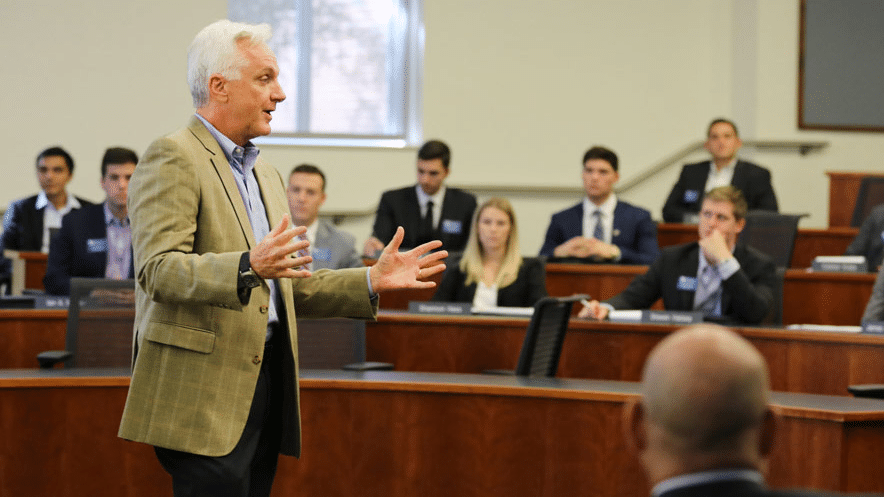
[(248, 471)]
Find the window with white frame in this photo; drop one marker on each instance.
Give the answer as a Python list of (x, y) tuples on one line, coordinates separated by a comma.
[(350, 69)]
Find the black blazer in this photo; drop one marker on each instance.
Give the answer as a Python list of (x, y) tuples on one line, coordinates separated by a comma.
[(529, 287), (686, 196), (79, 250), (401, 208), (746, 298), (740, 488), (23, 225)]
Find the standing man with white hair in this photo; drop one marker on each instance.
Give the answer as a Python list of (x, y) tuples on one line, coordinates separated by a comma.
[(215, 379)]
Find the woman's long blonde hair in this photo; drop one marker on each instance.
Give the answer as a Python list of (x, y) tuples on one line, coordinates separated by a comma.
[(473, 255)]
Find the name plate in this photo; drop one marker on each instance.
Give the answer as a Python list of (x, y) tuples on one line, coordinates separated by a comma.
[(456, 308), (873, 327), (34, 302), (672, 317), (840, 267)]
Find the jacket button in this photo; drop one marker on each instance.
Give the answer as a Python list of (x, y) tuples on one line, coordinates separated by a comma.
[(257, 360), (263, 309)]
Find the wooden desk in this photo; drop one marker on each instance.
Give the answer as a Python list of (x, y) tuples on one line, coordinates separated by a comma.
[(28, 269), (27, 332), (843, 191), (809, 242), (799, 361), (402, 434)]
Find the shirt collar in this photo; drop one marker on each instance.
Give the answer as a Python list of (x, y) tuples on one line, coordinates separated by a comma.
[(729, 167), (607, 206), (242, 158), (311, 231), (706, 477), (110, 220), (43, 201), (423, 198)]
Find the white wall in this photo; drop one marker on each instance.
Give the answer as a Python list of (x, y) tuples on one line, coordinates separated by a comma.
[(519, 89)]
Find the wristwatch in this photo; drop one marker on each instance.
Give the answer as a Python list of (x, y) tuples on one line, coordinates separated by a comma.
[(248, 278)]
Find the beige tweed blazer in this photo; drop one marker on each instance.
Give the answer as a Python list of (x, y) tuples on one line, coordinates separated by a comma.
[(198, 348)]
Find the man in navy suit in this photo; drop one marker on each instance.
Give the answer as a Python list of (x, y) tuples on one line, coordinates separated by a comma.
[(330, 247), (428, 210), (723, 142), (29, 221), (703, 425), (602, 228), (725, 281), (96, 241)]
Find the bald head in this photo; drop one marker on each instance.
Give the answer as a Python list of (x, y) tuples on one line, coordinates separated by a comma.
[(705, 396)]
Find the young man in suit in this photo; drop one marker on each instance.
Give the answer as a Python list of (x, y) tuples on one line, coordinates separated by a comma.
[(428, 210), (219, 288), (727, 282), (330, 247), (704, 425), (602, 228), (29, 222), (723, 142), (96, 241)]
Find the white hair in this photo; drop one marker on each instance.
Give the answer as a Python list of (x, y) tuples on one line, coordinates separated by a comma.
[(214, 51)]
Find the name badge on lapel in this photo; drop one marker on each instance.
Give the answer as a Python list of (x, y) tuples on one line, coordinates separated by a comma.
[(691, 196), (451, 227), (321, 254), (687, 283), (96, 245)]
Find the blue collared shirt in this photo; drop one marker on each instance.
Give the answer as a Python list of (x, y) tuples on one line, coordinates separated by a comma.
[(119, 246)]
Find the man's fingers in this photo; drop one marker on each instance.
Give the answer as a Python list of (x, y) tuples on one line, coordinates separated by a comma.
[(394, 244), (430, 271)]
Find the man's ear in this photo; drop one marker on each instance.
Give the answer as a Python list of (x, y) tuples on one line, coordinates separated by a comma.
[(217, 88), (634, 426), (767, 432)]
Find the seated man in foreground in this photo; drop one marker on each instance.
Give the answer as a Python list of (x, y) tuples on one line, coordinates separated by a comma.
[(602, 227), (729, 283), (869, 242), (704, 425)]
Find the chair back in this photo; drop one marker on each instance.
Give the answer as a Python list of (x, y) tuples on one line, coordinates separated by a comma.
[(330, 343), (101, 320), (871, 194), (545, 336), (771, 233)]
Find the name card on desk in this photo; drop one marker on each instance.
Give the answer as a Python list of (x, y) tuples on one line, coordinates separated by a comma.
[(34, 302), (672, 317), (873, 327), (457, 308), (840, 264)]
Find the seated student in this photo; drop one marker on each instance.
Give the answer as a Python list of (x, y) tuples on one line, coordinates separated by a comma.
[(726, 281), (29, 221), (869, 242), (602, 228), (330, 247), (723, 142), (96, 241), (428, 210), (492, 272), (703, 425), (875, 306)]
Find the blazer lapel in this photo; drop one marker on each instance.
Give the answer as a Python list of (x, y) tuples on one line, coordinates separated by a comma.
[(688, 267), (215, 156), (275, 205)]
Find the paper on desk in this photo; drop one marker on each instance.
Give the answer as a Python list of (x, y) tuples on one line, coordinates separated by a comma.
[(504, 311), (840, 259), (825, 327), (625, 316)]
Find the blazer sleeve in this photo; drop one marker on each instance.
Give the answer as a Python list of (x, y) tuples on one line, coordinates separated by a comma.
[(645, 249), (555, 236), (875, 307), (452, 282), (385, 219), (674, 208), (763, 196), (750, 289), (535, 273), (57, 280), (643, 291)]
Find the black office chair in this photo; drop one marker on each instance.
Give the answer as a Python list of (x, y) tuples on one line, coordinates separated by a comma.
[(772, 233), (544, 338), (101, 318), (337, 343), (871, 194)]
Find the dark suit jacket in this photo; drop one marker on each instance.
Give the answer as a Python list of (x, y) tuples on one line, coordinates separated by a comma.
[(686, 196), (740, 488), (634, 232), (870, 239), (529, 287), (746, 296), (401, 208), (79, 250)]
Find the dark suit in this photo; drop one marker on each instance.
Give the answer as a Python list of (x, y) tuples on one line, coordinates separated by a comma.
[(746, 296), (634, 233), (740, 488), (686, 196), (529, 287), (870, 239), (79, 250), (401, 208)]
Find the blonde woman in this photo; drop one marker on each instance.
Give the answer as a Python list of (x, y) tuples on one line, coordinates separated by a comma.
[(491, 272)]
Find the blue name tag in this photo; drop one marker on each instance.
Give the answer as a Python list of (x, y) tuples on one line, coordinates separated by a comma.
[(321, 254), (882, 235), (691, 195), (451, 226), (687, 283), (96, 245)]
